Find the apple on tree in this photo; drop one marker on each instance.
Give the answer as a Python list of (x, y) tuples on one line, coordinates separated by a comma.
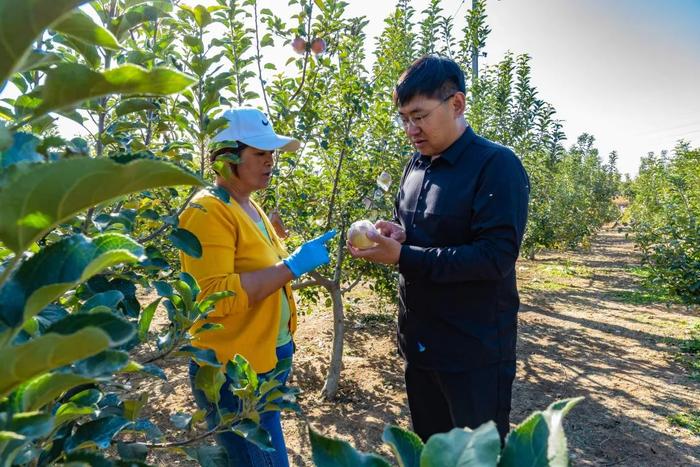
[(318, 46), (357, 234), (299, 45)]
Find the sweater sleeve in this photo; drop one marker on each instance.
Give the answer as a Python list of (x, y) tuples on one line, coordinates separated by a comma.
[(215, 227)]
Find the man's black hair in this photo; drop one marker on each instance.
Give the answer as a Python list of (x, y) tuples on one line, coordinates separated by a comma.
[(431, 76)]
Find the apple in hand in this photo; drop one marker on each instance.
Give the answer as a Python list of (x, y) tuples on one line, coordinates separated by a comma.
[(357, 234)]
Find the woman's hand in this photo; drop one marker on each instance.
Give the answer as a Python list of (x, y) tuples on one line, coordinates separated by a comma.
[(276, 221), (310, 255)]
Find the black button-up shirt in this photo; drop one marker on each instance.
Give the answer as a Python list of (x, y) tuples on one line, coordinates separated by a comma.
[(464, 214)]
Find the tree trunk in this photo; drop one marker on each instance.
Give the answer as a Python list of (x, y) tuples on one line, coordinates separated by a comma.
[(333, 377)]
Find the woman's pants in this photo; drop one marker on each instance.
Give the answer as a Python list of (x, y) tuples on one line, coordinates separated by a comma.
[(240, 451)]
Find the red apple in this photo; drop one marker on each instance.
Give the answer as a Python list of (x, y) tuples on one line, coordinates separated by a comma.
[(318, 46), (299, 45), (357, 234)]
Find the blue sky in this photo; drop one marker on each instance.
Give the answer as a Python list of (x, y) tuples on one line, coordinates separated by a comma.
[(626, 71)]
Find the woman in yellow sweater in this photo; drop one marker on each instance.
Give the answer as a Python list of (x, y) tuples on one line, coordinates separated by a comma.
[(241, 252)]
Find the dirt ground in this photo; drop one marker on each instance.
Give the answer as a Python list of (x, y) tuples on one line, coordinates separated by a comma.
[(581, 333)]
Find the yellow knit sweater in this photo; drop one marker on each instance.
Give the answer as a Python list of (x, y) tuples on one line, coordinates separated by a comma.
[(232, 244)]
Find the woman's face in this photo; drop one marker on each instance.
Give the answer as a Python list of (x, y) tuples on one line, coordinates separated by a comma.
[(254, 169)]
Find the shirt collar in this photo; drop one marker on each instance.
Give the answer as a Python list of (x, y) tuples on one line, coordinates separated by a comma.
[(456, 149)]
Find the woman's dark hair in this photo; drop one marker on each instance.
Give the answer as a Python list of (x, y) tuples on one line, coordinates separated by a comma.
[(227, 150), (430, 76)]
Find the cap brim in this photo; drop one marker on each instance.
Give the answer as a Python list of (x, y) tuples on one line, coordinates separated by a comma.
[(272, 143)]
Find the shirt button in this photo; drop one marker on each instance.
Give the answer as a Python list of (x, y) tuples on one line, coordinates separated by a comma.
[(414, 226)]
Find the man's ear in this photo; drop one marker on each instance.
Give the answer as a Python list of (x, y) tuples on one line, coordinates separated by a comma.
[(459, 104)]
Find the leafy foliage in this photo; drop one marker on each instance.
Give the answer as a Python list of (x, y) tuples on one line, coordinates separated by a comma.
[(665, 219), (90, 222), (538, 441)]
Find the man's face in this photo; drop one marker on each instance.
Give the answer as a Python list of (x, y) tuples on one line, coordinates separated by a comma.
[(430, 123)]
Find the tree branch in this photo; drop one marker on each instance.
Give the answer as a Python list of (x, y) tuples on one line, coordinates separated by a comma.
[(164, 227), (257, 58), (351, 286)]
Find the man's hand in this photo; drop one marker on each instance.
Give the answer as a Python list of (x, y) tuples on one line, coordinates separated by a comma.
[(391, 230), (387, 250)]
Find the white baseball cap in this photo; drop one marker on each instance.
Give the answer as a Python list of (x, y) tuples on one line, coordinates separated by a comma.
[(250, 126)]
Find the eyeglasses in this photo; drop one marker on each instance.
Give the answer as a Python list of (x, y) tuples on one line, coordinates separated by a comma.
[(418, 120)]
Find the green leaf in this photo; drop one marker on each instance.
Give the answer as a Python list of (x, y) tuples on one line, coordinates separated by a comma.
[(71, 411), (6, 138), (132, 451), (191, 282), (148, 368), (31, 424), (22, 149), (43, 389), (199, 13), (96, 433), (56, 269), (133, 407), (163, 288), (267, 40), (209, 380), (329, 452), (109, 299), (186, 241), (539, 440), (69, 84), (181, 420), (119, 330), (146, 317), (128, 106), (134, 17), (463, 447), (11, 436), (208, 456), (47, 352), (208, 303), (201, 356), (103, 364), (88, 51), (80, 26), (37, 60), (194, 43), (255, 434), (407, 446), (86, 398), (320, 4), (61, 189), (21, 23)]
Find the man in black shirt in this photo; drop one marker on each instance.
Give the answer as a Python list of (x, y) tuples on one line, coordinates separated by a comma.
[(459, 220)]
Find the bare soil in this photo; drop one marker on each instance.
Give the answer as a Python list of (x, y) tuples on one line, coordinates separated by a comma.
[(580, 334)]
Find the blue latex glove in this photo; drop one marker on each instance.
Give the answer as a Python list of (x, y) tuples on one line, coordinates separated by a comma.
[(310, 255)]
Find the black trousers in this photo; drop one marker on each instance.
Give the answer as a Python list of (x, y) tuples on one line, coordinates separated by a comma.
[(440, 400)]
